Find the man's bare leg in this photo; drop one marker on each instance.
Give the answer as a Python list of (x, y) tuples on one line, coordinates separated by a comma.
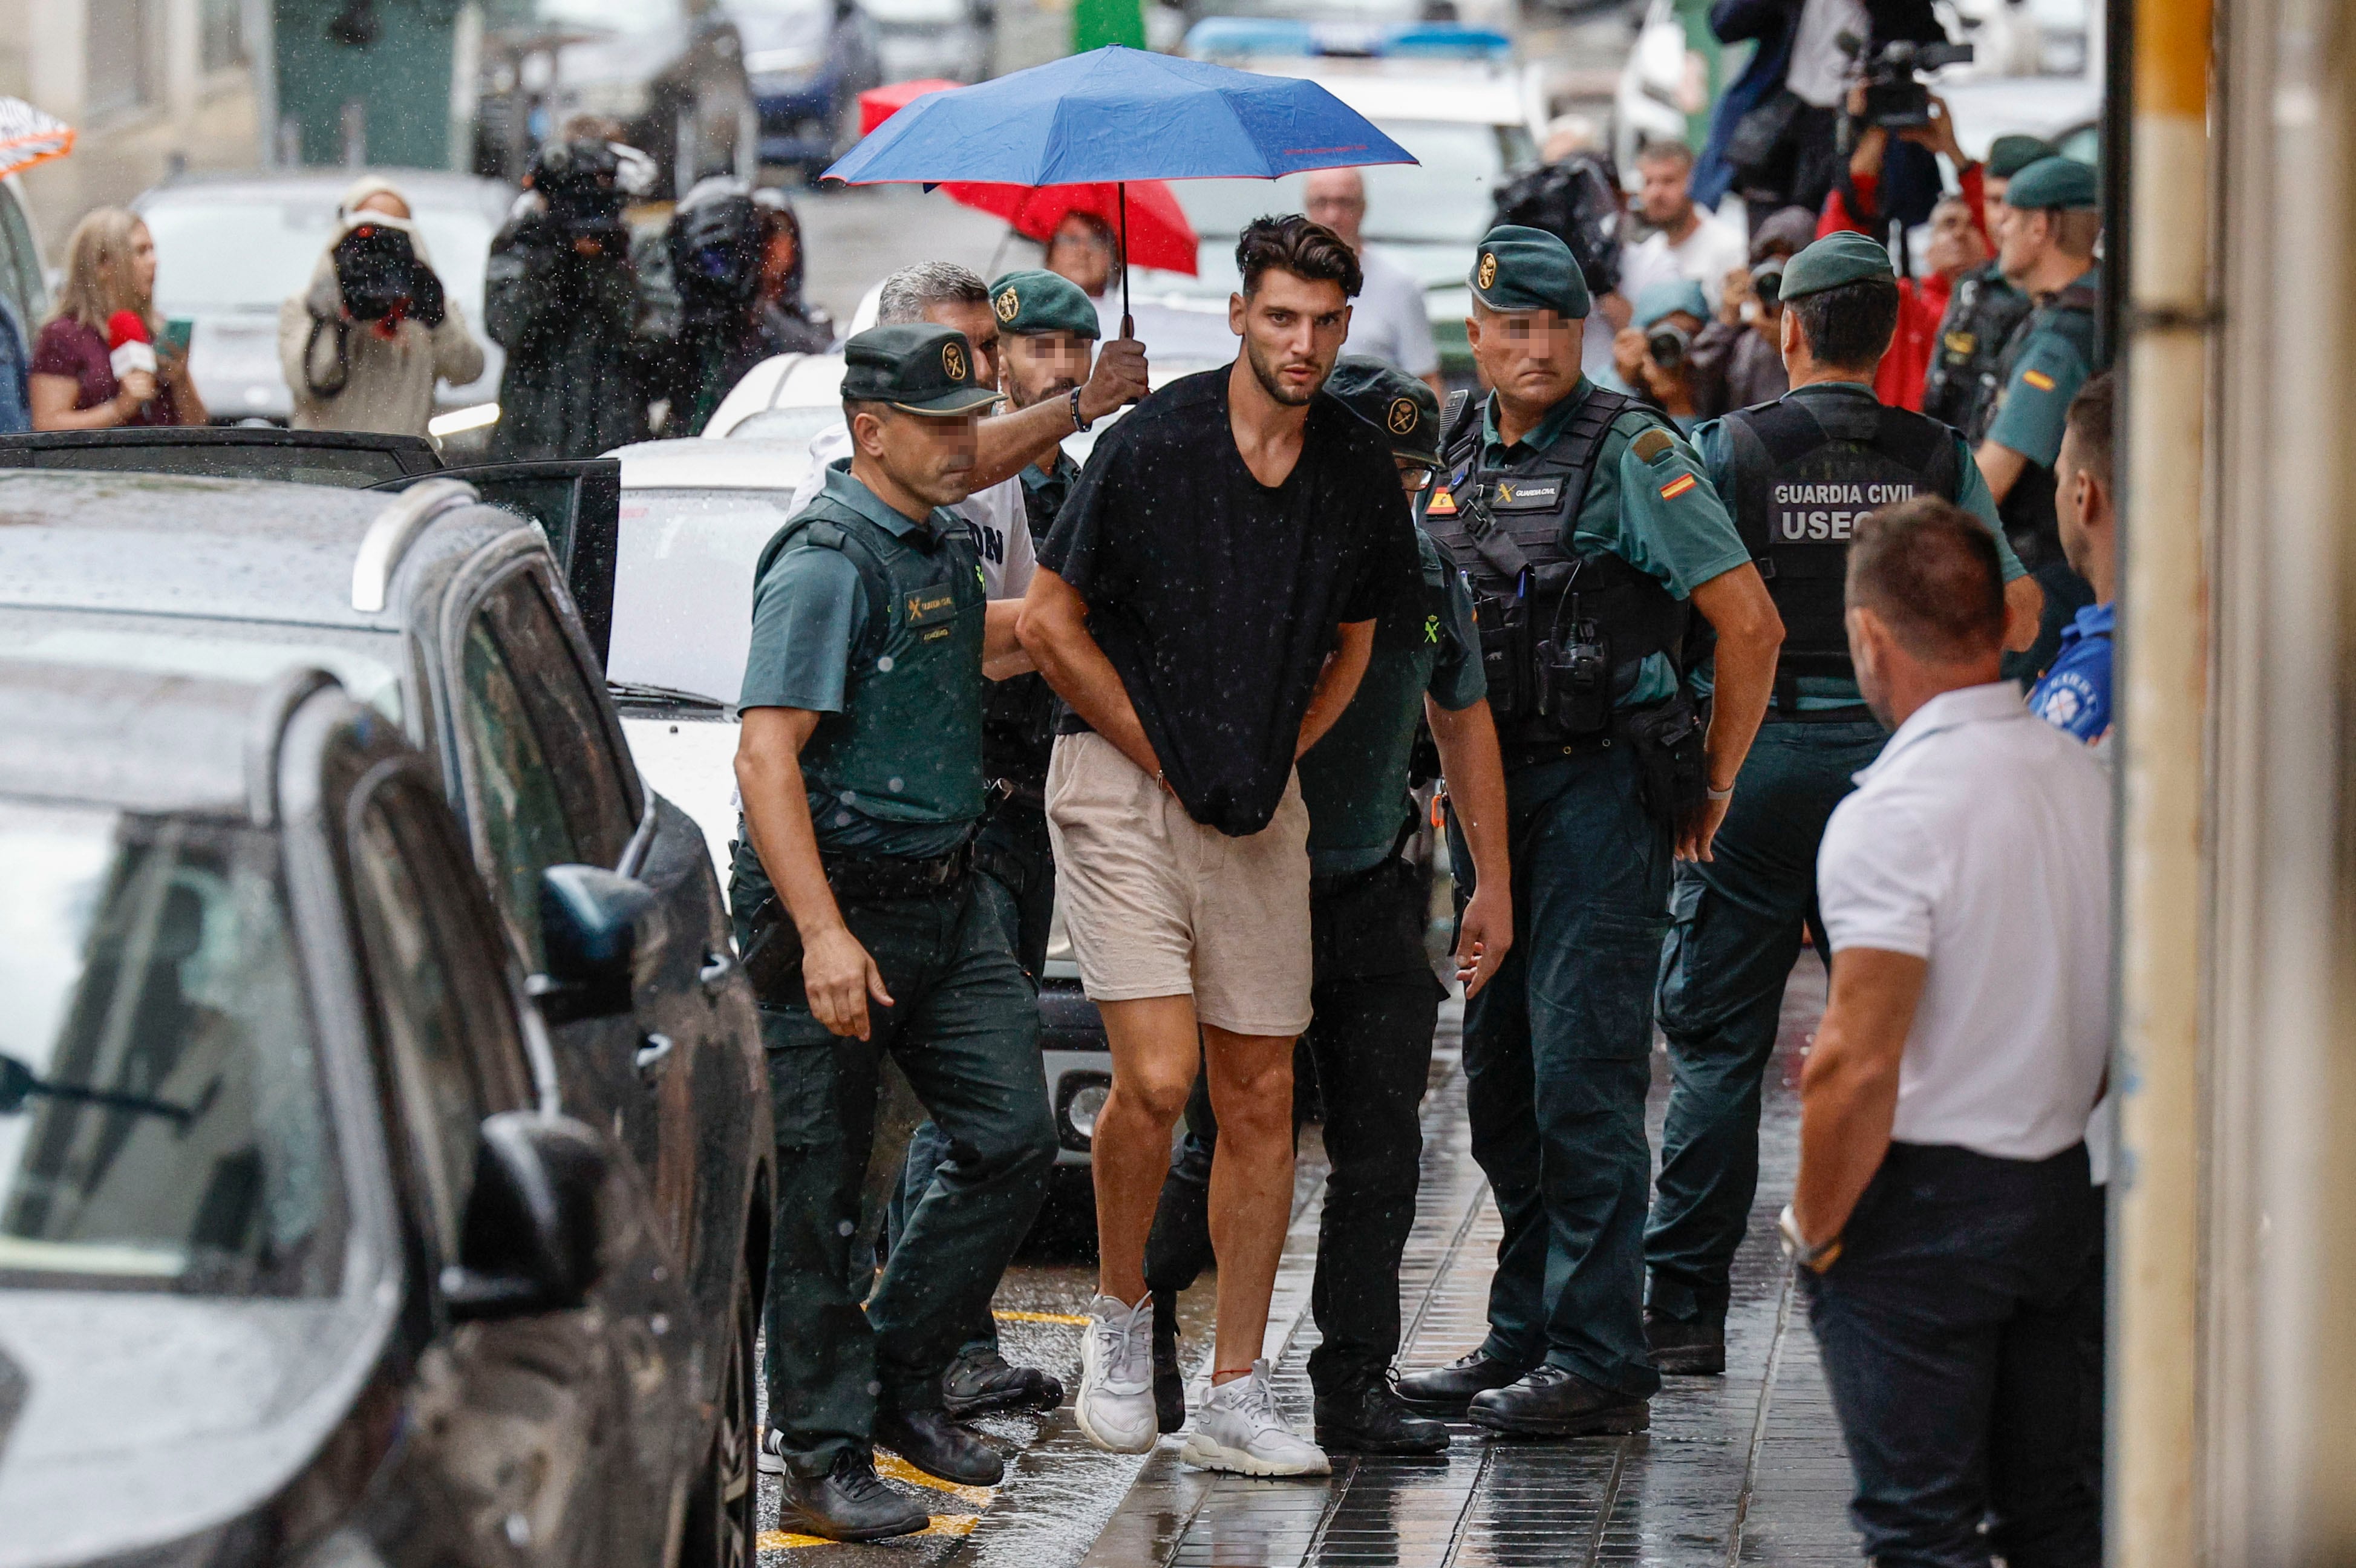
[(1251, 1185), (1154, 1051)]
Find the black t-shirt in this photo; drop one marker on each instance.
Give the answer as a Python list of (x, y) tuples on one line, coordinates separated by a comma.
[(1215, 596)]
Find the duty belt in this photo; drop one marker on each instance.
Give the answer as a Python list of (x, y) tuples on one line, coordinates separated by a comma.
[(1525, 754), (883, 878)]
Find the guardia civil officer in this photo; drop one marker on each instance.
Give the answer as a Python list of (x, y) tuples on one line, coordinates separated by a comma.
[(1798, 473), (2053, 219), (862, 927), (1961, 384), (1369, 1049), (1047, 332), (1590, 537)]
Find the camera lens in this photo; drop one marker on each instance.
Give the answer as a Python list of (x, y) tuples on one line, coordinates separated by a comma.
[(1667, 347), (1767, 282)]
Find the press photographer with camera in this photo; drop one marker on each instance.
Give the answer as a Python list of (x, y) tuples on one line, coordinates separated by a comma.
[(1738, 358), (363, 345), (1654, 354), (722, 239), (582, 304)]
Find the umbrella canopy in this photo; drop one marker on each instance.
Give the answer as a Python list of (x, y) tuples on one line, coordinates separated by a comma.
[(1158, 232), (29, 136), (1115, 114)]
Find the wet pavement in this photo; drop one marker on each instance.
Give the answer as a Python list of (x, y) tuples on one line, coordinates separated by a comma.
[(1746, 1469)]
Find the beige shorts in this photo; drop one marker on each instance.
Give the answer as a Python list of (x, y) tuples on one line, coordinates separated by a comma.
[(1158, 905)]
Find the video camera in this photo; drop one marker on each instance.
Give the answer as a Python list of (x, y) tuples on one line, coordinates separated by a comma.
[(715, 244), (1577, 202), (1895, 93), (583, 183)]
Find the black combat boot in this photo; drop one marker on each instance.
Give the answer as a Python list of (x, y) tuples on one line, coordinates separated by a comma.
[(848, 1503), (1682, 1349), (1446, 1392), (1169, 1382), (1551, 1402), (982, 1382), (939, 1447), (1363, 1416)]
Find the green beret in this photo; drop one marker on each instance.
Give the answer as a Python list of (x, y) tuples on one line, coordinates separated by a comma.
[(915, 366), (2008, 155), (1405, 410), (1520, 269), (1033, 302), (2053, 182), (1837, 259), (1669, 296)]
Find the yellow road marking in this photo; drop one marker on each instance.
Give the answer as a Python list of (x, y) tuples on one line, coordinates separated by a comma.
[(1040, 1317), (899, 1469), (942, 1524)]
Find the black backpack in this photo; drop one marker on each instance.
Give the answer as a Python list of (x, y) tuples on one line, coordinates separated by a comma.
[(1577, 200)]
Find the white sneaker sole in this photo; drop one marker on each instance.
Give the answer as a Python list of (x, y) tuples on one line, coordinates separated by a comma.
[(1208, 1454), (1136, 1445)]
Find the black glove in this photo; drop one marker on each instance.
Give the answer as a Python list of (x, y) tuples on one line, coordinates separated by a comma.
[(425, 301)]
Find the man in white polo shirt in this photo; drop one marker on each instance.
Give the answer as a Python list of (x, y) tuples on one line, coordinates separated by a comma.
[(1943, 1217)]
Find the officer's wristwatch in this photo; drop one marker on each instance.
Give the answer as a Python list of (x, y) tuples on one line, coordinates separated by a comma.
[(1815, 1259), (1078, 423)]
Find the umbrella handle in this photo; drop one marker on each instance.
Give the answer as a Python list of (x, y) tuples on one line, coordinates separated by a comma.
[(1128, 328)]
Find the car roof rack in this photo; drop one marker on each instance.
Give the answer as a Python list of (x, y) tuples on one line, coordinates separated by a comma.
[(395, 528)]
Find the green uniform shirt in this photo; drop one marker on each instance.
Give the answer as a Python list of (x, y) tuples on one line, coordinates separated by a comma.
[(810, 612), (1663, 516), (1819, 692), (2044, 370), (1354, 781)]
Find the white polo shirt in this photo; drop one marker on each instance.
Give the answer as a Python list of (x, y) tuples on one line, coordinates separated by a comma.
[(997, 518), (1389, 319), (1980, 842)]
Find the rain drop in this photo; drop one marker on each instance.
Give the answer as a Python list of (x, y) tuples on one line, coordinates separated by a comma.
[(884, 664), (893, 785)]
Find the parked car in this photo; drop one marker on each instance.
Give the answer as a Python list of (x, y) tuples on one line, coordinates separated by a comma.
[(292, 1228), (808, 61), (671, 71), (23, 281), (453, 618), (232, 250)]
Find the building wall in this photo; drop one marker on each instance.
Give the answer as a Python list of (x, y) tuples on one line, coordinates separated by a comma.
[(148, 86)]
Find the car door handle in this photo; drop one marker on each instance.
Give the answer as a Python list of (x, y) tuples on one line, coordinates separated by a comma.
[(717, 967), (653, 1053)]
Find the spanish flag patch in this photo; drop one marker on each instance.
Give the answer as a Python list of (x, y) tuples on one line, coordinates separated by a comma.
[(1442, 504), (2039, 380), (1678, 487)]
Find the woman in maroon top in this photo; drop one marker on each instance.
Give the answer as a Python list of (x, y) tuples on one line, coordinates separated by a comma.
[(110, 267)]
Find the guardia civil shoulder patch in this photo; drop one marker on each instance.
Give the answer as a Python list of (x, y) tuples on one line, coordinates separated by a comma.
[(1652, 445), (1442, 504), (1678, 487), (2039, 380)]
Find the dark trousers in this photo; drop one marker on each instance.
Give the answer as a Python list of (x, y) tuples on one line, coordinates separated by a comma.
[(1557, 1057), (1015, 886), (1734, 934), (965, 1030), (1367, 1053), (1954, 1327)]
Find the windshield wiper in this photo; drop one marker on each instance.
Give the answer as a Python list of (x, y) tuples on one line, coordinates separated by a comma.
[(670, 697), (18, 1083)]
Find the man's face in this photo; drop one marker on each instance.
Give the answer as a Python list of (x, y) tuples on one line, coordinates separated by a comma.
[(1292, 328), (1041, 365), (1992, 191), (1078, 251), (1664, 196), (1955, 246), (980, 325), (1337, 198), (2022, 241), (929, 457), (1530, 357)]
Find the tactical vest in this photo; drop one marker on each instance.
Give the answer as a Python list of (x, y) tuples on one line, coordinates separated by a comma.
[(1806, 471), (1966, 365), (906, 747), (1018, 714), (2027, 511), (1562, 630)]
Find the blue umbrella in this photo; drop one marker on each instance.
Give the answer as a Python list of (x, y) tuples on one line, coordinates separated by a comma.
[(1116, 114)]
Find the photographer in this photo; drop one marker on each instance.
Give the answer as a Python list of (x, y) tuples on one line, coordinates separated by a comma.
[(1655, 355), (1736, 358), (364, 343), (720, 242), (582, 304)]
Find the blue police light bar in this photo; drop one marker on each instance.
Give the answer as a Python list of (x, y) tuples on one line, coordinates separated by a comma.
[(1269, 38)]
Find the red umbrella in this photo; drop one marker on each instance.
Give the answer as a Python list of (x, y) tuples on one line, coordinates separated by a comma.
[(1154, 227)]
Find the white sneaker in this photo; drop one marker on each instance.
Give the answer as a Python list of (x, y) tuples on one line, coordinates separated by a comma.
[(1238, 1430), (1115, 1405)]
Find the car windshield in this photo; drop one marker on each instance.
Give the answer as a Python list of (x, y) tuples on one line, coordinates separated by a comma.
[(683, 587), (163, 1125), (1442, 198), (797, 424), (216, 253)]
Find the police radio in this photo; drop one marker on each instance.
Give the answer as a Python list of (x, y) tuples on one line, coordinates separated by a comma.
[(1574, 674)]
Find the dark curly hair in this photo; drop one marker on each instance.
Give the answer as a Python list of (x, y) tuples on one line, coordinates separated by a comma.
[(1293, 244)]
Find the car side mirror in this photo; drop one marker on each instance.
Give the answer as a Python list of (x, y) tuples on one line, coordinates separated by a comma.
[(598, 929), (529, 1243)]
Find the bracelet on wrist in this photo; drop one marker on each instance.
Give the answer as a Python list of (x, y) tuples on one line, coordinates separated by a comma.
[(1080, 424)]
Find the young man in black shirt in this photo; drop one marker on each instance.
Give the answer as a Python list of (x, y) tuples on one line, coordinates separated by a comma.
[(1205, 604)]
